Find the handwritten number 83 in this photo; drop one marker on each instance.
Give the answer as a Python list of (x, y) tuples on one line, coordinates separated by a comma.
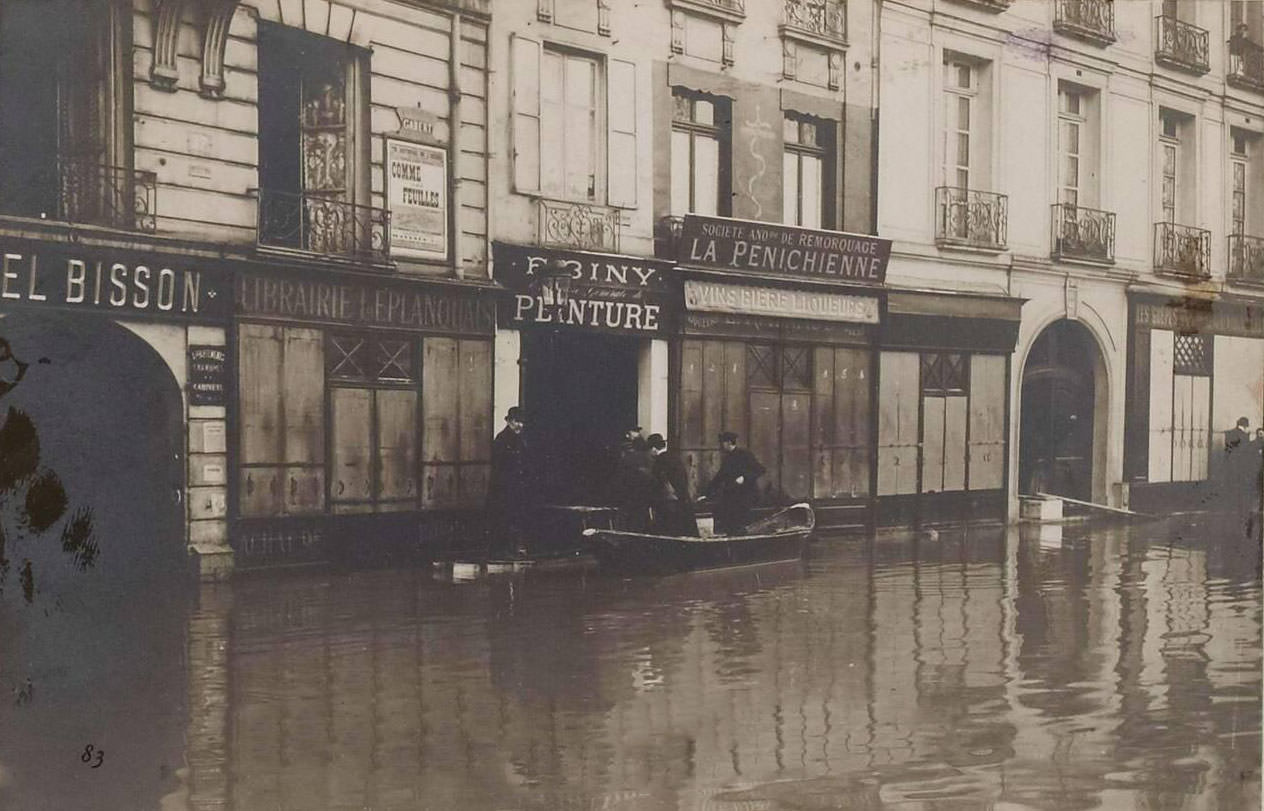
[(92, 755)]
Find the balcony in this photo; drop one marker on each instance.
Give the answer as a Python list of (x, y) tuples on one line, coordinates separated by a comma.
[(84, 191), (580, 226), (823, 22), (320, 224), (1246, 260), (970, 219), (730, 10), (1246, 65), (1083, 234), (1180, 45), (1182, 250), (1091, 20), (994, 6)]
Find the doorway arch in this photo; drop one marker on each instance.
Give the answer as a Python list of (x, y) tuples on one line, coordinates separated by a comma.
[(1064, 413)]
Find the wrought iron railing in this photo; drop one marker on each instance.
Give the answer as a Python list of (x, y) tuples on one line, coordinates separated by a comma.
[(1181, 44), (1246, 64), (324, 225), (988, 5), (820, 18), (729, 6), (1246, 259), (1182, 250), (976, 219), (1083, 233), (578, 225), (1087, 19), (82, 190)]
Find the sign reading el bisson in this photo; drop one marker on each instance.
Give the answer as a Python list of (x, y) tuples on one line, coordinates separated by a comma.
[(780, 249), (417, 195)]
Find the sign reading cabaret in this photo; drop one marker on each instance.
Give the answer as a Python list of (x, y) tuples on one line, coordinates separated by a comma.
[(766, 248), (607, 292), (731, 298), (400, 305), (68, 277)]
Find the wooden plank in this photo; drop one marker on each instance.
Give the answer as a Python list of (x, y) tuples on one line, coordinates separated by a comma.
[(303, 391), (475, 400), (397, 443), (352, 454), (1094, 505)]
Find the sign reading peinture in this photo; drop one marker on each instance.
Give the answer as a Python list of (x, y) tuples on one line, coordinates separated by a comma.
[(780, 249), (417, 195), (607, 292), (717, 297), (67, 277)]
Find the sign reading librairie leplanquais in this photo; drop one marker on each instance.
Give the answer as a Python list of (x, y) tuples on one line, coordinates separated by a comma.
[(417, 195), (759, 247)]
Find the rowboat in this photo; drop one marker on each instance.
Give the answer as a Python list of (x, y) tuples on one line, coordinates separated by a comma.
[(781, 536)]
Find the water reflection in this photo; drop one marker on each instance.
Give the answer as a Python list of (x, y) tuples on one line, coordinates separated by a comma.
[(1117, 670)]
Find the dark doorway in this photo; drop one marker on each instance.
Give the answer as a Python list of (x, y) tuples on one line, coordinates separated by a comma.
[(1058, 413), (580, 393)]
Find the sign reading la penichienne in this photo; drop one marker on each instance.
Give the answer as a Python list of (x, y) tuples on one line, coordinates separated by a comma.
[(780, 249)]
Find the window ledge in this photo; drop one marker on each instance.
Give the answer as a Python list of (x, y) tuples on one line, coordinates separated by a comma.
[(960, 247), (733, 11), (813, 38)]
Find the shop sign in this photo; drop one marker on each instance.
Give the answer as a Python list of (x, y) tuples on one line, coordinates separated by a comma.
[(385, 303), (417, 195), (717, 297), (607, 292), (734, 325), (207, 375), (1215, 318), (759, 247), (124, 283), (417, 124)]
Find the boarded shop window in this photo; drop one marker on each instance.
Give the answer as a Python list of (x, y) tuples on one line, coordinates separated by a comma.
[(282, 382), (840, 423), (898, 393), (987, 422), (944, 393), (456, 409), (1180, 406)]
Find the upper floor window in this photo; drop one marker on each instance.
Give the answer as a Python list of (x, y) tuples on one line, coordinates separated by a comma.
[(1238, 163), (574, 125), (1175, 169), (966, 147), (700, 138), (1077, 145), (808, 172)]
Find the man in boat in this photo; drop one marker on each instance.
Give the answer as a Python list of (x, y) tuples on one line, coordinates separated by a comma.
[(634, 481), (507, 491), (672, 499), (733, 488)]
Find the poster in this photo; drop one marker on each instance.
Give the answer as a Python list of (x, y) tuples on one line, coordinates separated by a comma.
[(417, 196)]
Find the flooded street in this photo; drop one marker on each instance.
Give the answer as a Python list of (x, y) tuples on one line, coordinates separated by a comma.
[(1117, 670)]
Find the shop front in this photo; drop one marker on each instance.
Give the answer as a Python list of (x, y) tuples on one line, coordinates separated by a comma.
[(943, 414), (777, 344), (364, 415), (593, 359), (1195, 366)]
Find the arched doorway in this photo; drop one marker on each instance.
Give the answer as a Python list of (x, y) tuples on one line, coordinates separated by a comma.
[(1063, 414)]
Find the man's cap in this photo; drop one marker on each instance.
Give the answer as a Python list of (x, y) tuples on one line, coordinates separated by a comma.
[(1243, 421), (656, 441), (515, 413), (728, 436)]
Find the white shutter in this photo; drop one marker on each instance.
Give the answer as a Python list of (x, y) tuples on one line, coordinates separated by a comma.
[(526, 114), (1160, 469), (621, 138)]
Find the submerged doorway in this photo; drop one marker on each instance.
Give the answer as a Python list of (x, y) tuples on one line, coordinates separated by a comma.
[(580, 394), (1062, 419)]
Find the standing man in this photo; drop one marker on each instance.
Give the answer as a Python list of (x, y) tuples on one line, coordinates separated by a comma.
[(1238, 468), (634, 481), (507, 488), (673, 499), (733, 486)]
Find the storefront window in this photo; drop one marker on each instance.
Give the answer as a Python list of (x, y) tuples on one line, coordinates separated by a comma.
[(456, 438), (282, 383)]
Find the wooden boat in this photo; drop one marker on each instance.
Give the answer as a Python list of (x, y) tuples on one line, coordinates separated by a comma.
[(781, 536)]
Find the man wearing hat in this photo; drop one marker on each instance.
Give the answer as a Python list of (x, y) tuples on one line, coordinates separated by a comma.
[(673, 499), (634, 481), (507, 487), (733, 487)]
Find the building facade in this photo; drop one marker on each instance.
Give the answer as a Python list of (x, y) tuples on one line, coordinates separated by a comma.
[(1096, 164)]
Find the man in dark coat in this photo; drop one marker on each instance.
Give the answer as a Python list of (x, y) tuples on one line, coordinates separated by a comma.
[(634, 481), (733, 487), (1239, 468), (673, 499), (507, 490)]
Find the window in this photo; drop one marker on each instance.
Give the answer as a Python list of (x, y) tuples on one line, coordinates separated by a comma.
[(1238, 170), (961, 89), (574, 125), (313, 144), (700, 153), (1174, 166), (808, 172), (1071, 130), (65, 64)]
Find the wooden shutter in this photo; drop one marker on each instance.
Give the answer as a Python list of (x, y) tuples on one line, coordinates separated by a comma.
[(526, 114), (987, 422), (621, 138), (899, 393)]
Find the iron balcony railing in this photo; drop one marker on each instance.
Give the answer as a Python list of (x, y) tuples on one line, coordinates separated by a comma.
[(325, 225), (736, 7), (1085, 234), (988, 5), (1182, 250), (581, 226), (1093, 20), (1246, 259), (1246, 64), (83, 190), (826, 19), (1180, 44), (975, 219)]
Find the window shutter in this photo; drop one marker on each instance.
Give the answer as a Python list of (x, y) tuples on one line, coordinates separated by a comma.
[(526, 114), (621, 140)]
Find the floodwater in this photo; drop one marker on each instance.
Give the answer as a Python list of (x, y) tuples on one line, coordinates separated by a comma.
[(989, 670)]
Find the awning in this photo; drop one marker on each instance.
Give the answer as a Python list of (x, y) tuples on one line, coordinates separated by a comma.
[(924, 319)]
